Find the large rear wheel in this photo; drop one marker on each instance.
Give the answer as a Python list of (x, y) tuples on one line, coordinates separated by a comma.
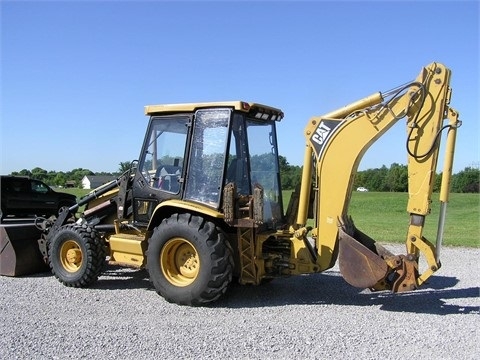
[(189, 260), (76, 255)]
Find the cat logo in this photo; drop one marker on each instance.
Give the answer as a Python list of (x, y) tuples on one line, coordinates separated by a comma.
[(322, 133)]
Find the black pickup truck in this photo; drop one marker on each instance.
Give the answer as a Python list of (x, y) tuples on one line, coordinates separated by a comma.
[(21, 196)]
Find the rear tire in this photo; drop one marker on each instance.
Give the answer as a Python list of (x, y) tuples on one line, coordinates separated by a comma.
[(76, 255), (189, 260)]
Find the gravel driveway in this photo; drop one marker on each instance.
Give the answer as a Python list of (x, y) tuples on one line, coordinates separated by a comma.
[(307, 317)]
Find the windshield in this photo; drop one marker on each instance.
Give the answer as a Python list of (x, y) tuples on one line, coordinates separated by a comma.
[(207, 156)]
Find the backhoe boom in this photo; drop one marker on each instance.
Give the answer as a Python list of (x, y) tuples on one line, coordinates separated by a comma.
[(335, 144)]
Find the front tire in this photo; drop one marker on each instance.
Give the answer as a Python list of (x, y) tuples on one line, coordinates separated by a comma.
[(189, 260), (76, 255)]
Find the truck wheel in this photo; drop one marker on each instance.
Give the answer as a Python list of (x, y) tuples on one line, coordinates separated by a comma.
[(189, 260), (76, 255)]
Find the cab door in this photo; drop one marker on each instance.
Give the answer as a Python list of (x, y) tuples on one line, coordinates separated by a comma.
[(160, 170)]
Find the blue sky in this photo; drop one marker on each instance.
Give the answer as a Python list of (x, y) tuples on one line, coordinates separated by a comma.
[(75, 75)]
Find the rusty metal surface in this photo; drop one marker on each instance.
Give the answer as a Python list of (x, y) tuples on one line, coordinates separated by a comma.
[(229, 194), (19, 251), (407, 273), (360, 266)]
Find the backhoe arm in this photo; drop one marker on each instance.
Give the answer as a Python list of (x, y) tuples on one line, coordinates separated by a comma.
[(335, 144)]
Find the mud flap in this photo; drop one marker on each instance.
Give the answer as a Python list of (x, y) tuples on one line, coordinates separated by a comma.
[(19, 251)]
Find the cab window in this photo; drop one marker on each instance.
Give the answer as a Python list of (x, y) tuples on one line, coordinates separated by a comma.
[(162, 164)]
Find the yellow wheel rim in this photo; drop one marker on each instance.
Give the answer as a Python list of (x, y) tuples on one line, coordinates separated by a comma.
[(71, 256), (179, 262)]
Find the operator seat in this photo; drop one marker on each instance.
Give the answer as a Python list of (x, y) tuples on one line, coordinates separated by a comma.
[(167, 177)]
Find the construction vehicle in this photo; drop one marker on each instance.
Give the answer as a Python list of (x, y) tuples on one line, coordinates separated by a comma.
[(203, 207)]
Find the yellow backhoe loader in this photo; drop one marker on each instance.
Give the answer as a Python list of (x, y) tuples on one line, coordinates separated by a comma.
[(202, 206)]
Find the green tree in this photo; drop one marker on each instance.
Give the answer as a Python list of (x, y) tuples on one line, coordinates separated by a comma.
[(360, 179), (397, 178), (59, 179), (124, 166), (373, 179), (466, 181), (23, 172), (438, 182), (39, 174), (290, 175)]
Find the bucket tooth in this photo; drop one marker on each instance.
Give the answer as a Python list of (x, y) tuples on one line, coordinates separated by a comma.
[(19, 251)]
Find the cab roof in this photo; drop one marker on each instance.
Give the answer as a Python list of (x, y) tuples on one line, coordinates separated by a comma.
[(259, 111)]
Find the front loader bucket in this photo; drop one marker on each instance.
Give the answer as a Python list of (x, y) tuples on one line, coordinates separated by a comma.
[(19, 251)]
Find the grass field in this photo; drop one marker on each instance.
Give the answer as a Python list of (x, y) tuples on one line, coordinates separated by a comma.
[(75, 191), (383, 216)]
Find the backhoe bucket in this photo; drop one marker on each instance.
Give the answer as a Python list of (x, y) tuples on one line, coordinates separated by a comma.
[(19, 251), (361, 260)]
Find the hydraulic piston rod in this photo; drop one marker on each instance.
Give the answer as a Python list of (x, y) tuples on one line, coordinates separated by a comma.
[(446, 177)]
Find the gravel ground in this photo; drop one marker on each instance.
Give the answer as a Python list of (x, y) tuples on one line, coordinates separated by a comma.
[(307, 317)]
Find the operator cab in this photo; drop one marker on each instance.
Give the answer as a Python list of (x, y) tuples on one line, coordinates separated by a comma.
[(192, 152)]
